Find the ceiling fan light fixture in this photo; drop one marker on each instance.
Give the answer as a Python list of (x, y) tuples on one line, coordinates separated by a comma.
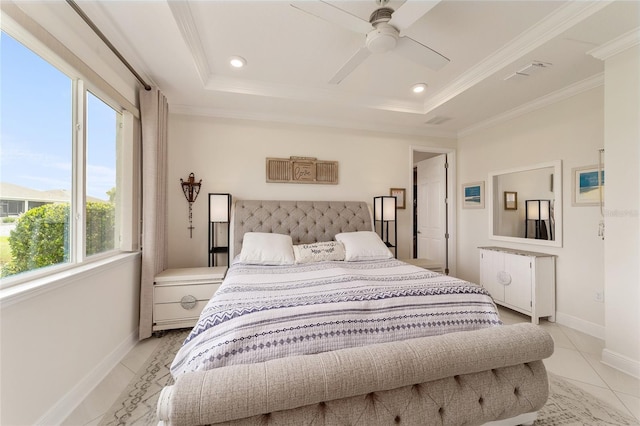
[(237, 61), (382, 39), (419, 88)]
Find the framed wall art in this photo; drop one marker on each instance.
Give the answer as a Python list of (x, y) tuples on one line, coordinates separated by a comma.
[(400, 194), (510, 200), (586, 188), (473, 195)]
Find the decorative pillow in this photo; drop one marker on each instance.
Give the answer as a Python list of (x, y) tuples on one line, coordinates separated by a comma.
[(317, 252), (363, 245), (262, 248)]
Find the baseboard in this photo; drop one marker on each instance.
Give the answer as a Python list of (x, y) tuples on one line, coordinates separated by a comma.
[(612, 359), (65, 406), (579, 324), (621, 362)]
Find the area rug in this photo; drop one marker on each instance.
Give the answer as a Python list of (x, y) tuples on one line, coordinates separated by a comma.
[(567, 404), (136, 405)]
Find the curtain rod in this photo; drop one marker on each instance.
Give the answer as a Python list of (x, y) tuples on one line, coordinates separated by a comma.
[(106, 41)]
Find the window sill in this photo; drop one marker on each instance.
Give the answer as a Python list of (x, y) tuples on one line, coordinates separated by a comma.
[(38, 286)]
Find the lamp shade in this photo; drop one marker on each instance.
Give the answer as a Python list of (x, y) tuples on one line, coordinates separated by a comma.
[(384, 208), (538, 209), (219, 207)]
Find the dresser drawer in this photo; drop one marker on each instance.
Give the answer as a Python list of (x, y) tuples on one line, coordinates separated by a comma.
[(175, 311), (175, 293)]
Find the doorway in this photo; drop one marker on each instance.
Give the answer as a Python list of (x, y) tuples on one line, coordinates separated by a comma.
[(433, 177)]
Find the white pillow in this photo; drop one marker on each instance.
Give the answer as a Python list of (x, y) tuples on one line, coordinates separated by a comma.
[(261, 248), (317, 252), (363, 245)]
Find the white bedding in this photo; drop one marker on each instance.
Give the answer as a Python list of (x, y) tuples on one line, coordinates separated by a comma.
[(266, 312)]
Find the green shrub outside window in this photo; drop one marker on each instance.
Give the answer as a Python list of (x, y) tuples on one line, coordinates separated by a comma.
[(41, 236)]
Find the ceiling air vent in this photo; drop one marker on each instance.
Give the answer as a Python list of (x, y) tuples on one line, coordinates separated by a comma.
[(438, 119), (528, 70)]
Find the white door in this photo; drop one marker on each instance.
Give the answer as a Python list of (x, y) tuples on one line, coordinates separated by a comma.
[(431, 186)]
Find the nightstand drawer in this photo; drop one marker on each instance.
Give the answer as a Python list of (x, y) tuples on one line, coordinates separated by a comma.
[(176, 311), (180, 294), (175, 293)]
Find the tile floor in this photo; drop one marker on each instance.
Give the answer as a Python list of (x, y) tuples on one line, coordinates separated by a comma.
[(576, 358)]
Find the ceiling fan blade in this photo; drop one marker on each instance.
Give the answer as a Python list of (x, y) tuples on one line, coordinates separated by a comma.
[(409, 12), (420, 54), (334, 15), (350, 65)]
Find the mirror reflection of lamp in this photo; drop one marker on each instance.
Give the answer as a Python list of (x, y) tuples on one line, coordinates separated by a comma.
[(191, 189), (538, 211)]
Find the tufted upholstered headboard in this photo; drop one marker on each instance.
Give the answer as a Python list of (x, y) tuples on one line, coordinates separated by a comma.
[(304, 221)]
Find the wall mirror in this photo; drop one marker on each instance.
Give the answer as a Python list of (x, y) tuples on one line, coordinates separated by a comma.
[(525, 204)]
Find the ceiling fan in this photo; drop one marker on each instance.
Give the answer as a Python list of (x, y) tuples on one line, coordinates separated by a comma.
[(383, 32)]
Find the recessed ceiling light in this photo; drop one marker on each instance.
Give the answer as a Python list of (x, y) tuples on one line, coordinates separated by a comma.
[(237, 61), (419, 88)]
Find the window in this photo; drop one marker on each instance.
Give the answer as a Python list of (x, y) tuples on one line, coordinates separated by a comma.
[(60, 142), (103, 125)]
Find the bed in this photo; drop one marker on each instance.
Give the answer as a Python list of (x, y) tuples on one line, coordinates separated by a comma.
[(368, 340)]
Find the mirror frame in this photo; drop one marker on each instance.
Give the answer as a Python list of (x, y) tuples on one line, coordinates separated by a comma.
[(557, 190)]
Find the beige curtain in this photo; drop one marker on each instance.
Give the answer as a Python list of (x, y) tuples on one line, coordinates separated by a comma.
[(154, 114)]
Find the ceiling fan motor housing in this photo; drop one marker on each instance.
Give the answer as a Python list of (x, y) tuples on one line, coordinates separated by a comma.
[(382, 39)]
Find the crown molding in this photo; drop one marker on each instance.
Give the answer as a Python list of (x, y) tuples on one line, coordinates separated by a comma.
[(307, 121), (332, 96), (617, 45), (184, 19), (562, 19), (541, 102)]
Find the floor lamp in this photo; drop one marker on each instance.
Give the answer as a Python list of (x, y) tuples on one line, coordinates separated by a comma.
[(384, 212), (219, 212)]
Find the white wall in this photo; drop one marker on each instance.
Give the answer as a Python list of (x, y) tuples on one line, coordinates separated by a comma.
[(622, 221), (571, 131), (57, 345), (229, 156)]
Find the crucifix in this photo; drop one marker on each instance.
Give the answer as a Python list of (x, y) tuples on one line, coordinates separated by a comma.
[(191, 189)]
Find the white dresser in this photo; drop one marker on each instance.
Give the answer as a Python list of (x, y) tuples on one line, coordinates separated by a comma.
[(524, 281), (179, 295)]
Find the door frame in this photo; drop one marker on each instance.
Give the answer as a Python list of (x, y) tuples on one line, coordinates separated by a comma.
[(451, 198)]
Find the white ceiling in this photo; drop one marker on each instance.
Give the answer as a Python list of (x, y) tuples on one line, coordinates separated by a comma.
[(183, 47)]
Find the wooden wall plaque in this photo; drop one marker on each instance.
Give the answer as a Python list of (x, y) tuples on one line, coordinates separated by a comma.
[(302, 170)]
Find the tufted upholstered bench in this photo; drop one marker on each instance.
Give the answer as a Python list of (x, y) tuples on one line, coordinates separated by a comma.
[(465, 378)]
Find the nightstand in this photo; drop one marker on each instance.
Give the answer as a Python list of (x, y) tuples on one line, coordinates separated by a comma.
[(179, 295)]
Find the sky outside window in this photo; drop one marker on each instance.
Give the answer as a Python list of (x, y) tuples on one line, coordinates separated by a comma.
[(36, 126)]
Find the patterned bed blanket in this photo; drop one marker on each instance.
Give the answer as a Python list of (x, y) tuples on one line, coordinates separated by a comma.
[(267, 312)]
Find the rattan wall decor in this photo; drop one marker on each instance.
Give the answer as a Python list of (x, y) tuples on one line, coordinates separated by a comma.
[(302, 170)]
